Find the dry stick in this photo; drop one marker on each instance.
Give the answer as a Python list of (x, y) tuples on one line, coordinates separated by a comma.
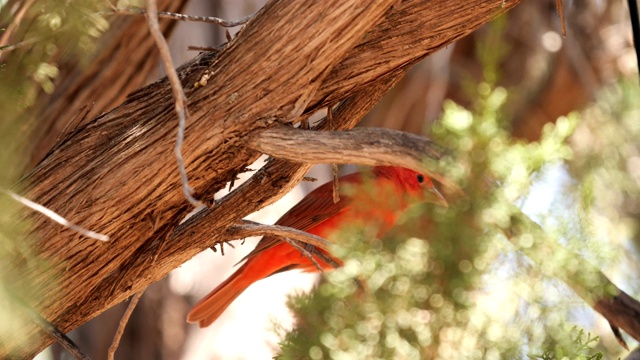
[(5, 36), (184, 17), (560, 11), (289, 235), (62, 339), (228, 242), (178, 95), (334, 167), (322, 256), (336, 184), (52, 330), (123, 322), (214, 49), (304, 252), (8, 48), (73, 120), (249, 228), (56, 217)]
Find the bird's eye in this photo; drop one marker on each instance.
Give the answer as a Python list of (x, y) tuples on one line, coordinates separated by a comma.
[(420, 178)]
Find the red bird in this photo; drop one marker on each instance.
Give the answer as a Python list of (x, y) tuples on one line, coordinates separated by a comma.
[(394, 190)]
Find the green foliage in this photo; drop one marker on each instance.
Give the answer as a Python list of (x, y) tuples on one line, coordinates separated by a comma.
[(607, 148), (445, 283), (49, 32), (580, 347), (437, 286)]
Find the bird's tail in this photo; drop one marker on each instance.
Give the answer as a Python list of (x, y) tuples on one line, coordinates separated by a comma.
[(207, 310)]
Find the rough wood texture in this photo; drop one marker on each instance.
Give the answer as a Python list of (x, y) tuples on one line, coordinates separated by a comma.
[(126, 58), (281, 142), (117, 174)]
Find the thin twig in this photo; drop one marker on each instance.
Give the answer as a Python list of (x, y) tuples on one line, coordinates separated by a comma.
[(334, 167), (213, 247), (75, 120), (322, 256), (52, 330), (5, 35), (249, 228), (8, 48), (56, 217), (123, 323), (178, 95), (560, 11), (205, 48), (182, 17), (336, 184), (289, 235), (62, 339), (304, 252), (72, 120)]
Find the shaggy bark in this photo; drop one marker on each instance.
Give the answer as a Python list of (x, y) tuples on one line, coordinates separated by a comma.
[(127, 58), (117, 174)]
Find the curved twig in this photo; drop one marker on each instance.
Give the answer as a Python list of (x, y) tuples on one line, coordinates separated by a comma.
[(178, 97), (249, 228), (123, 322)]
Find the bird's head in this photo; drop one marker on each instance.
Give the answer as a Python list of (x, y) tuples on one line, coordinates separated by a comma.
[(418, 186)]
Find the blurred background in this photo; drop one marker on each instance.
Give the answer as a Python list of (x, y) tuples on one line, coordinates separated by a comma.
[(591, 73)]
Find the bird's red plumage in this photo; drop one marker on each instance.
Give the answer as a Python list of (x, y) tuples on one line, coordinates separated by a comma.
[(394, 189)]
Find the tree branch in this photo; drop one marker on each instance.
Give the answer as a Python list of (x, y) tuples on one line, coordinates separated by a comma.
[(366, 146)]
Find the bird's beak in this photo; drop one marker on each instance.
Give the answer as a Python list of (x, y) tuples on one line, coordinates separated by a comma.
[(439, 199)]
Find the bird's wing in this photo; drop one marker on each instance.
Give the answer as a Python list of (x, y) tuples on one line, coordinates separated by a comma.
[(311, 211)]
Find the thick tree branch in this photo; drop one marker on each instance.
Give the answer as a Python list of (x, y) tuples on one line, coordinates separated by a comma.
[(278, 176)]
